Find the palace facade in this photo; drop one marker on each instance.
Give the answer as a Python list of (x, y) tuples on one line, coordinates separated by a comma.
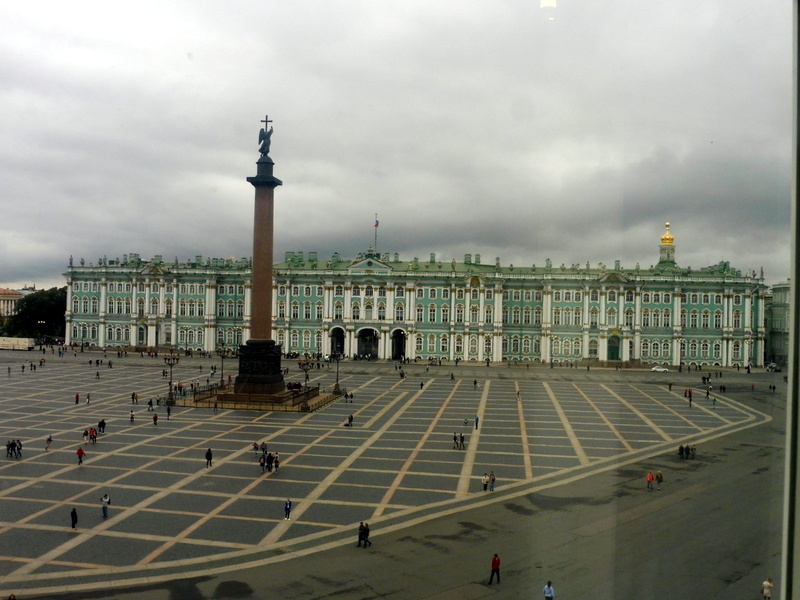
[(378, 306)]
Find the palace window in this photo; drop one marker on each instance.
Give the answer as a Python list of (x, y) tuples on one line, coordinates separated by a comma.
[(368, 291), (295, 292), (656, 318), (645, 318), (515, 315), (110, 306), (577, 297), (705, 319), (645, 349), (400, 291), (420, 293), (489, 294), (594, 296), (459, 345), (381, 292), (567, 296), (381, 311), (418, 344), (704, 350), (141, 288), (459, 313), (445, 293), (221, 290), (694, 298), (516, 295), (154, 306), (240, 308), (432, 293), (432, 313), (431, 343), (557, 296), (717, 350), (474, 294), (281, 309), (307, 311), (307, 338), (140, 306), (295, 310), (356, 311), (557, 316), (307, 293), (693, 319), (594, 314), (612, 296), (737, 319), (420, 312), (444, 342), (94, 305), (474, 313), (229, 308), (399, 312), (526, 316), (706, 298), (295, 339), (537, 296), (611, 317), (168, 308), (667, 320), (526, 344), (505, 315), (717, 298), (654, 350), (537, 315), (338, 311), (515, 344), (646, 298), (592, 348), (487, 346), (319, 311), (656, 298), (737, 299), (578, 316), (667, 298), (338, 291), (460, 294), (128, 306), (629, 318), (488, 315)]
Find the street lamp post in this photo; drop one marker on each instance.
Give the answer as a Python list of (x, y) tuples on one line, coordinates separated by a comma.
[(336, 389), (171, 360), (221, 353)]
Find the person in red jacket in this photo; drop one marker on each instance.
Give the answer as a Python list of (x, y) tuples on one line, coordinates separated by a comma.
[(495, 569), (80, 454)]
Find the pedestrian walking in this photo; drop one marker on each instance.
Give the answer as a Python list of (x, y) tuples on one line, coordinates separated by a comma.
[(88, 398), (155, 420), (73, 516), (169, 412), (495, 569), (77, 397), (255, 449), (19, 449), (262, 462), (361, 535), (105, 501), (287, 509), (681, 451), (476, 421), (548, 591), (461, 438), (366, 535), (277, 461), (714, 403), (492, 479), (485, 481), (209, 456), (766, 588), (659, 480), (650, 480), (455, 441), (48, 443), (80, 453)]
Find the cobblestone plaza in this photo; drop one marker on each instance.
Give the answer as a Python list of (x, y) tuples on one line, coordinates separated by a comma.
[(396, 466)]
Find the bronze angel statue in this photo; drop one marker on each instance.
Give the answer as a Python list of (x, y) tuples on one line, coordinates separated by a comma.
[(264, 138)]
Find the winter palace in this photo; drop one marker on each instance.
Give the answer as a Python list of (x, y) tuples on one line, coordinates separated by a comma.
[(379, 306)]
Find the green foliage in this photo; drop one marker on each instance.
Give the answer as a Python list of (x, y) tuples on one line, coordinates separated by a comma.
[(40, 314)]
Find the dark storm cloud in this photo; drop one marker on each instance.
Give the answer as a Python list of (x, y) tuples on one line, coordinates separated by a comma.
[(468, 128)]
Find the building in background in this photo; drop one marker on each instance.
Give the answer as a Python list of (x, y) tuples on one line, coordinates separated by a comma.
[(380, 307), (8, 303), (778, 313)]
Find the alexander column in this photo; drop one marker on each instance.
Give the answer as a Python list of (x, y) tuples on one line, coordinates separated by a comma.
[(260, 357)]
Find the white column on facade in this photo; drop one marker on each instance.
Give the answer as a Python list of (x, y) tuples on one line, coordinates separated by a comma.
[(547, 320), (348, 296), (411, 301), (677, 330), (585, 318), (101, 321), (390, 302), (68, 314), (174, 320)]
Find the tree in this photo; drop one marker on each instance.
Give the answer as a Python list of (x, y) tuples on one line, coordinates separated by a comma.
[(40, 314)]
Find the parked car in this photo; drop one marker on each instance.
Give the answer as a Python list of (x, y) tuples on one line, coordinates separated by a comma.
[(659, 369)]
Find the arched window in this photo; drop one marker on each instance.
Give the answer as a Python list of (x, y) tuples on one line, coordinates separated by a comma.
[(666, 320), (594, 314), (154, 306), (281, 309), (420, 313), (557, 316), (474, 313), (338, 291), (459, 313), (612, 296), (444, 343), (75, 304), (221, 308), (537, 315), (487, 346), (356, 311), (432, 313), (628, 296), (645, 349), (399, 312), (338, 310), (295, 310), (431, 343), (516, 315), (356, 290), (488, 315), (646, 318), (656, 318), (611, 317)]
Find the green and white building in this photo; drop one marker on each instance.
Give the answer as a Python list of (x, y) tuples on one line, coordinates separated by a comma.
[(383, 307)]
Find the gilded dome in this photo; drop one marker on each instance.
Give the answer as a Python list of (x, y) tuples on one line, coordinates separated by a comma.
[(667, 239)]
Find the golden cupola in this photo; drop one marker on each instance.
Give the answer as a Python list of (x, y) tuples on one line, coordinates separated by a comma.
[(667, 239)]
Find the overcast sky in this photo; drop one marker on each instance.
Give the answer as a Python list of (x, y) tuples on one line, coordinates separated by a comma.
[(468, 126)]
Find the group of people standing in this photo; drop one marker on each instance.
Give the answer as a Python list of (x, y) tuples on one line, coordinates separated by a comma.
[(13, 449)]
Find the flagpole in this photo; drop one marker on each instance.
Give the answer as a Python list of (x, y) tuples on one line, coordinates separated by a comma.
[(375, 244)]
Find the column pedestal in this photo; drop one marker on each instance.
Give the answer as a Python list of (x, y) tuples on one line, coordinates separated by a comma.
[(259, 368)]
